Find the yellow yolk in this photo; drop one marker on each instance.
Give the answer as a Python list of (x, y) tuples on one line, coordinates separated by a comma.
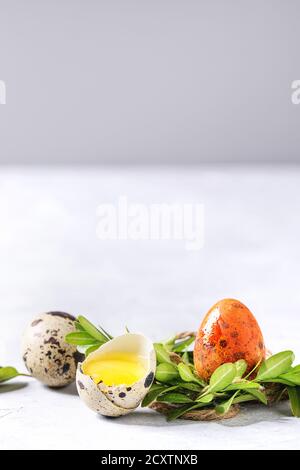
[(116, 368)]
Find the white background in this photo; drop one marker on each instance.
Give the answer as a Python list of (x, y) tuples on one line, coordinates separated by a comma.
[(51, 259)]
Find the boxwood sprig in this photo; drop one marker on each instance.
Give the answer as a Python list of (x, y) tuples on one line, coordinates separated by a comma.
[(9, 373), (227, 386), (87, 336)]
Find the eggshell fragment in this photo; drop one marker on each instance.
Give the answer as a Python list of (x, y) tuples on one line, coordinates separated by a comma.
[(228, 332), (94, 398)]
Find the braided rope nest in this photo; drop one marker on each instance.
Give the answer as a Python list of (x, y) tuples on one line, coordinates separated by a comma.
[(272, 391), (196, 415)]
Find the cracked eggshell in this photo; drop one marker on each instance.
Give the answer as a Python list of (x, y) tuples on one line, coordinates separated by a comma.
[(123, 397), (46, 355), (94, 398)]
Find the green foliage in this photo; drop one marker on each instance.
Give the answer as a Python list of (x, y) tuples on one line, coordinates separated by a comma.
[(87, 337), (226, 387), (8, 373)]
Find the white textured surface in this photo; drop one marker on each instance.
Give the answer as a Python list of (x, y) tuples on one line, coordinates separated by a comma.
[(51, 259)]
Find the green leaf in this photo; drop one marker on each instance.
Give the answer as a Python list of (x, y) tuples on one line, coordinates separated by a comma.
[(206, 398), (156, 386), (88, 348), (153, 393), (91, 349), (109, 337), (222, 377), (224, 407), (279, 381), (275, 365), (243, 385), (187, 375), (293, 377), (162, 354), (8, 373), (87, 338), (190, 386), (294, 396), (185, 357), (170, 343), (166, 373), (182, 345), (80, 338), (91, 329), (241, 367), (174, 397), (259, 395), (177, 412), (78, 326), (245, 397)]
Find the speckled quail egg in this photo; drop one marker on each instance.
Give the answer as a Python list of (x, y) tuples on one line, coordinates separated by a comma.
[(114, 379), (46, 355)]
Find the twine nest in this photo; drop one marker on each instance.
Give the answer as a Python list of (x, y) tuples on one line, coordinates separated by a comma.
[(196, 415), (274, 393)]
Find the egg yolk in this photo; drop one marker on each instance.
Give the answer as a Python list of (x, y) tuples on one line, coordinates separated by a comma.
[(116, 368)]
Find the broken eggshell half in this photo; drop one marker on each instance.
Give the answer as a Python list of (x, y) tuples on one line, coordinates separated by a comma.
[(117, 400)]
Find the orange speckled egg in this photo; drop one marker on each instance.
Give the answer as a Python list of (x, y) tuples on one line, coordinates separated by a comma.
[(229, 332)]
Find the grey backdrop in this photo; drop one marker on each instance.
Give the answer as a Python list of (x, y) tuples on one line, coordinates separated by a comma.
[(138, 81)]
